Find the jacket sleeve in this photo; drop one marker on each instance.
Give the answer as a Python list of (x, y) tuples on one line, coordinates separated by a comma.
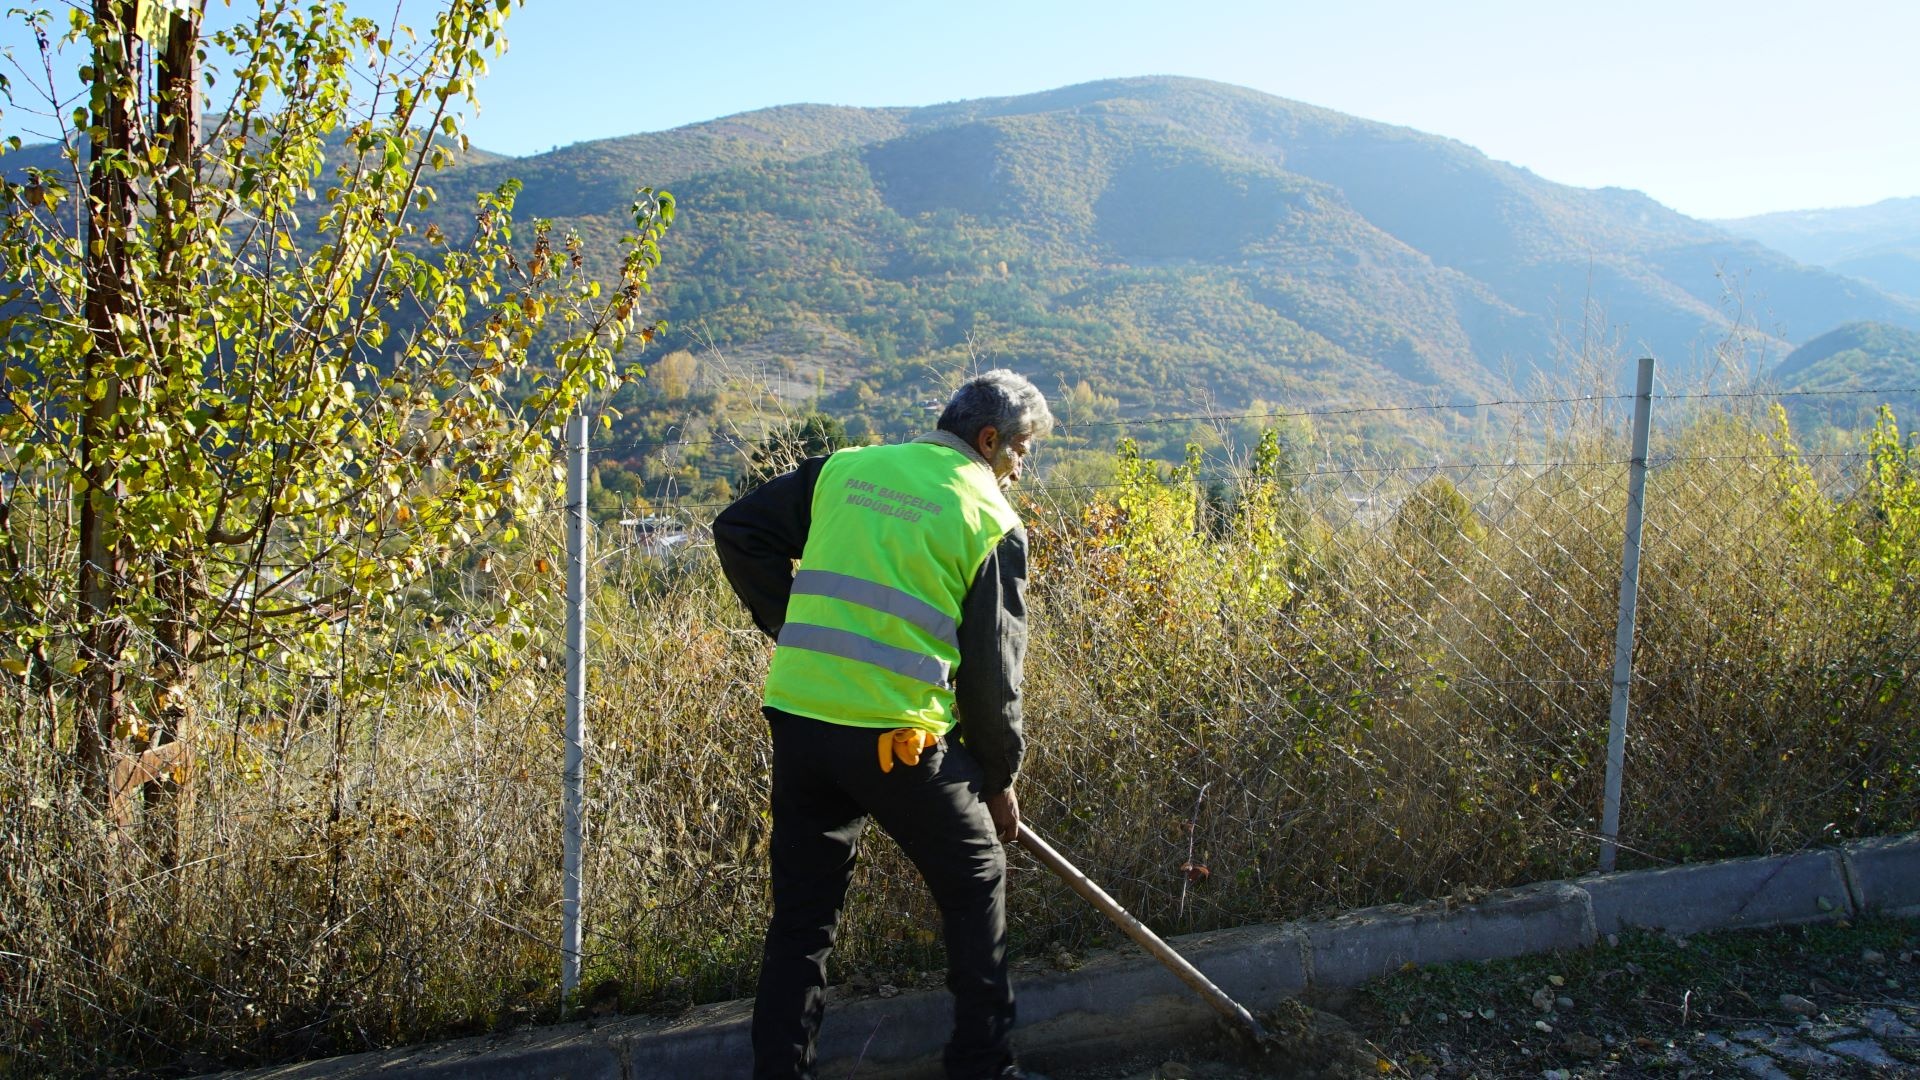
[(760, 535), (993, 656)]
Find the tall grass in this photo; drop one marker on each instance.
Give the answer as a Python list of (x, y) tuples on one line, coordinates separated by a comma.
[(1335, 687)]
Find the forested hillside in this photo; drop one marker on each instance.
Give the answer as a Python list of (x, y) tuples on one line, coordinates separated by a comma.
[(1148, 247), (1858, 356), (1143, 248)]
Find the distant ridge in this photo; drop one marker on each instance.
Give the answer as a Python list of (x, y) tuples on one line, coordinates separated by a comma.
[(1878, 243)]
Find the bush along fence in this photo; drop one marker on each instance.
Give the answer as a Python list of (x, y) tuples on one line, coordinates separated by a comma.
[(1292, 682)]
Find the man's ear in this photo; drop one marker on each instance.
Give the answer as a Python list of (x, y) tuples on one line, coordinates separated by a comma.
[(987, 441)]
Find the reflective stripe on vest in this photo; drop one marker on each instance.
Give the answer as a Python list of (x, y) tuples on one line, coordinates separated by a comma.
[(879, 597), (851, 646)]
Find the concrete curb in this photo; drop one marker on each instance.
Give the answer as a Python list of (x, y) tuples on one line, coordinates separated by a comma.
[(1366, 944), (1120, 1001), (1884, 875), (1769, 891)]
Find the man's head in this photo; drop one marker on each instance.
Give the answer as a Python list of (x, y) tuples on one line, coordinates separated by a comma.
[(1000, 414)]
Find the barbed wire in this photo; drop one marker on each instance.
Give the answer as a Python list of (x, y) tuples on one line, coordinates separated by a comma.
[(1705, 395), (744, 442), (1036, 489)]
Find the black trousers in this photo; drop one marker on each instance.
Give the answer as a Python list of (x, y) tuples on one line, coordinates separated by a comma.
[(826, 783)]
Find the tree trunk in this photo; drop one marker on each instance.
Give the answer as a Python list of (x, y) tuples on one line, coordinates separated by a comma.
[(110, 212), (174, 678), (105, 631)]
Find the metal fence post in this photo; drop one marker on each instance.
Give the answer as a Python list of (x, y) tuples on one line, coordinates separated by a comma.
[(573, 776), (1629, 603)]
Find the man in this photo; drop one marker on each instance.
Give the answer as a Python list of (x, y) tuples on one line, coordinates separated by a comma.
[(894, 693)]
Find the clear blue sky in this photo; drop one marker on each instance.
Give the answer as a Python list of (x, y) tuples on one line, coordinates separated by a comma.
[(1716, 108)]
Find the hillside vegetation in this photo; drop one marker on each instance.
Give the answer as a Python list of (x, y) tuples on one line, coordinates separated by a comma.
[(1157, 246), (1830, 369), (1179, 246)]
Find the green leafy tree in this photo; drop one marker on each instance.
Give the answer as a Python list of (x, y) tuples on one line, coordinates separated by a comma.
[(252, 396), (1890, 532), (1436, 528), (1876, 543), (1265, 514), (783, 448)]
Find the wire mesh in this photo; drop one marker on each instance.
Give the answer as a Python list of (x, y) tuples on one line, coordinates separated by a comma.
[(1411, 705), (1257, 691)]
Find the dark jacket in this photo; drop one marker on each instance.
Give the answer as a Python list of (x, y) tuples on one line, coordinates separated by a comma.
[(759, 537)]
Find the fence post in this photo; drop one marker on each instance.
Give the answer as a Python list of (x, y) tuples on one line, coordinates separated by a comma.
[(1629, 603), (572, 778)]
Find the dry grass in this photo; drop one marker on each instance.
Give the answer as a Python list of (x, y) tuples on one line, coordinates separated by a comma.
[(1328, 702)]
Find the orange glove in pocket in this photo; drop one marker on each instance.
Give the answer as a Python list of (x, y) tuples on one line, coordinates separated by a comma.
[(905, 744)]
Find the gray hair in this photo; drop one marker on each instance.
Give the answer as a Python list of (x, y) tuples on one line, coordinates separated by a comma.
[(997, 399)]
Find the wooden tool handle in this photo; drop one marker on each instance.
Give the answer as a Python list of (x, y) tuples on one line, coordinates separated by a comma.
[(1138, 931)]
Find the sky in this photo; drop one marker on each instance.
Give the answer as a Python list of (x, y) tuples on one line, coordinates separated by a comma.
[(1715, 108)]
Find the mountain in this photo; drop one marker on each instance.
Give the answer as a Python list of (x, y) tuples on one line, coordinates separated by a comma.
[(1858, 356), (1145, 248), (1878, 244), (51, 157), (1169, 239)]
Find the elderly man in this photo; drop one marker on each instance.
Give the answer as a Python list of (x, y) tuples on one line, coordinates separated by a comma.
[(894, 693)]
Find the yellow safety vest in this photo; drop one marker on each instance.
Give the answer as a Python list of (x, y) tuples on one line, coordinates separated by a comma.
[(872, 632)]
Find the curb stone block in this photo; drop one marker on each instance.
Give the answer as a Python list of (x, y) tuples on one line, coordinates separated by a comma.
[(1885, 874), (1118, 1002), (710, 1040), (1767, 891), (573, 1051), (897, 1037), (1258, 966), (1353, 948), (1112, 1004)]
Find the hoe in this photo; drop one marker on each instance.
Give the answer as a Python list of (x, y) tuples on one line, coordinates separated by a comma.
[(1235, 1014)]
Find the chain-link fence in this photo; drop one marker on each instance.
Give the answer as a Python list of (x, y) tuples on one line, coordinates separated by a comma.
[(1291, 682), (1279, 687), (1421, 704)]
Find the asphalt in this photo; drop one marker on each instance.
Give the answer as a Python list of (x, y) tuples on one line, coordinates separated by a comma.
[(1122, 1002)]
